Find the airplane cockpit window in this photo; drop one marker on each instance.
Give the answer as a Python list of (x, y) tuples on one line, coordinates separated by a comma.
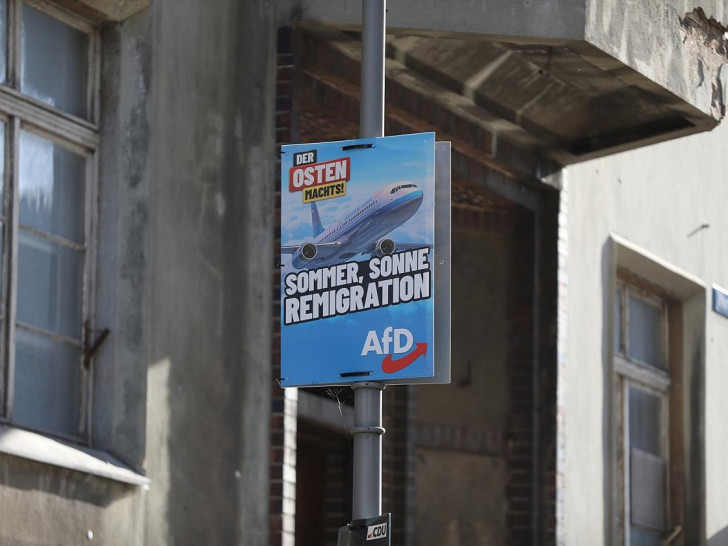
[(396, 189)]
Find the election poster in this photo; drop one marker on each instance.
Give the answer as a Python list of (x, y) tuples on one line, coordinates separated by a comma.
[(357, 273)]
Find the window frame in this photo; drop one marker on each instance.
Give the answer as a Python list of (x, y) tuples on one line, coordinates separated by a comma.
[(80, 136), (631, 372), (687, 296)]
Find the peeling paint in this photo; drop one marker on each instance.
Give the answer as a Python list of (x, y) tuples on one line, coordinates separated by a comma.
[(718, 98), (705, 39), (707, 30)]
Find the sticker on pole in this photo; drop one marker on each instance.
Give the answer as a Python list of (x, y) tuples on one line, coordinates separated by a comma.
[(357, 236)]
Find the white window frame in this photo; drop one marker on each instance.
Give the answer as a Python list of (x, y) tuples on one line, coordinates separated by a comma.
[(632, 372), (81, 136)]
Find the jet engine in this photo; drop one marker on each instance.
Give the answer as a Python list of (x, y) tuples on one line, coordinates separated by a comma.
[(384, 247), (308, 252)]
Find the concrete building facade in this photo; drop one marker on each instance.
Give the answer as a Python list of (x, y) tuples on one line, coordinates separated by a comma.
[(139, 345)]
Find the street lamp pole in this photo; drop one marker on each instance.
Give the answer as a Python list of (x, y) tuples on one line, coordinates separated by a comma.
[(368, 430)]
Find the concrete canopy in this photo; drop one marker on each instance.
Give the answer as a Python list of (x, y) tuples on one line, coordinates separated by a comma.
[(573, 79)]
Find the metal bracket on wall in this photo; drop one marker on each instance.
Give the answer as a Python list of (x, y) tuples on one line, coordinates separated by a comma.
[(90, 350)]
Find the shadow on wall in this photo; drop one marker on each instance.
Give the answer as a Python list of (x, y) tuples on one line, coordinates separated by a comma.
[(607, 340), (720, 538)]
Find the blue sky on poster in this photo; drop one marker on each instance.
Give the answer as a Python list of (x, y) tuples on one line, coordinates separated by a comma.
[(395, 159), (316, 352)]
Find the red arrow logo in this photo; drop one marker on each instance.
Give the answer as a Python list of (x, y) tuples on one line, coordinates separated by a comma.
[(392, 366)]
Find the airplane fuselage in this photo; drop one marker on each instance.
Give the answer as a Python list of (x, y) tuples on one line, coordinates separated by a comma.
[(360, 230)]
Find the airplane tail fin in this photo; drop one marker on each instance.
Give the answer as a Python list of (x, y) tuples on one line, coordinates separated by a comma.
[(316, 220)]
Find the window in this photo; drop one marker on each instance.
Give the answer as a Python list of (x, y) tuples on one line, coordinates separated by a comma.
[(48, 89), (642, 385), (655, 402)]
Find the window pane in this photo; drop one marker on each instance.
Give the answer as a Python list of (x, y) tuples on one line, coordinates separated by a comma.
[(645, 421), (645, 332), (47, 376), (647, 490), (618, 321), (54, 62), (638, 537), (2, 286), (49, 285), (51, 184), (3, 40), (2, 168)]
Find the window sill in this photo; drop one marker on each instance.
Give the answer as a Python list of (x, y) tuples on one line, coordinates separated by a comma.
[(33, 446)]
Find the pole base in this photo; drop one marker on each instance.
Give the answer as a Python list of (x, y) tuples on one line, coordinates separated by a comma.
[(367, 532)]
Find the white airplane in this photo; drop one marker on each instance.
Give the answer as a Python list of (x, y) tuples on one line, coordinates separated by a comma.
[(362, 231)]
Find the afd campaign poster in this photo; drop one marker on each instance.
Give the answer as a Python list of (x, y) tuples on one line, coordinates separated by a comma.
[(357, 235)]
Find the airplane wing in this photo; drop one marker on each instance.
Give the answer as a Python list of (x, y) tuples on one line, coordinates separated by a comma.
[(409, 246), (323, 250)]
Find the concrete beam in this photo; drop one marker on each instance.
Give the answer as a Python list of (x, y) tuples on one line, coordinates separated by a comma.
[(106, 11), (673, 43), (554, 19), (672, 48)]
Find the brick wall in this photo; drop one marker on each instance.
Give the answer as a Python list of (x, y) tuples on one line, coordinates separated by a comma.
[(319, 101), (283, 403), (398, 461), (337, 488), (547, 302), (520, 489)]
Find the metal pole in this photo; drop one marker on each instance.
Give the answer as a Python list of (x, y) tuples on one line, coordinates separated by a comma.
[(371, 113), (368, 431)]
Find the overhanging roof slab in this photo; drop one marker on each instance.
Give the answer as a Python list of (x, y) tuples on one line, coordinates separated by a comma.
[(584, 77)]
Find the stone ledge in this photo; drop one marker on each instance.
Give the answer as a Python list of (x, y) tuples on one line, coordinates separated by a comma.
[(105, 11), (39, 448)]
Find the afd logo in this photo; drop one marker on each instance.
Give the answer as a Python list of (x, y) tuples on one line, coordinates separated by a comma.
[(377, 531), (400, 340), (394, 341)]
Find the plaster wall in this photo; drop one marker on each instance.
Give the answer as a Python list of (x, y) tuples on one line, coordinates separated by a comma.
[(49, 505), (668, 199), (210, 176), (658, 41), (185, 260)]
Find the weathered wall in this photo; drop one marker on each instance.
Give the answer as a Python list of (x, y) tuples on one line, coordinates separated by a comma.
[(43, 505), (670, 200), (673, 59), (459, 499), (185, 251), (556, 19), (478, 395), (686, 55), (461, 489), (210, 250)]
